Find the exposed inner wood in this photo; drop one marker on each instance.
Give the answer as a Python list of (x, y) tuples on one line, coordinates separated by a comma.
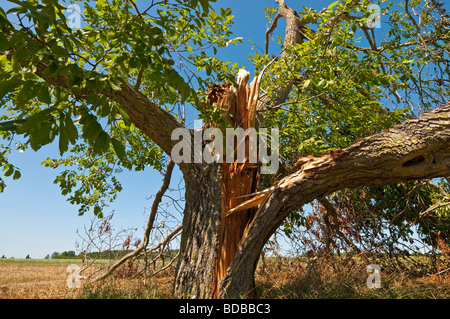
[(237, 178)]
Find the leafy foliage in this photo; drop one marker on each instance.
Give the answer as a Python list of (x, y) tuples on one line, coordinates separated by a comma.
[(348, 81), (152, 48)]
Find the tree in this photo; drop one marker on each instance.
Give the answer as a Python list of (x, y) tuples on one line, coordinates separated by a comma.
[(114, 90), (55, 255)]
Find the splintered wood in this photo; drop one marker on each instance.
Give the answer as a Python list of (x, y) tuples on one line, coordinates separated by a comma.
[(238, 178)]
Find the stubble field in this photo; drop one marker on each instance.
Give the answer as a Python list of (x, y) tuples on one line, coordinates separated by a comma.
[(288, 279)]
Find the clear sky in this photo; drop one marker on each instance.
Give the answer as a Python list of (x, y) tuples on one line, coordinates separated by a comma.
[(35, 218)]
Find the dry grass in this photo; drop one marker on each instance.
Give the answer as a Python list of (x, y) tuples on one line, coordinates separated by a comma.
[(344, 279), (288, 278), (156, 287)]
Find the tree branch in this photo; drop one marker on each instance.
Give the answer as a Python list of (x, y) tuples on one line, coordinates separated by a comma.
[(156, 202), (418, 149), (155, 122), (270, 30)]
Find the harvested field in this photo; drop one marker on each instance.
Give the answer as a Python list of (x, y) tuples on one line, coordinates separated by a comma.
[(31, 280), (47, 279), (281, 278)]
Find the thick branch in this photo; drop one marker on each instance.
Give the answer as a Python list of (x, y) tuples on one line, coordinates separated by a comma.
[(270, 31), (155, 122), (418, 149)]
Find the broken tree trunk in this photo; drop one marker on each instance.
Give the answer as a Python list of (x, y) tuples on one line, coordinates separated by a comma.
[(238, 178), (210, 238)]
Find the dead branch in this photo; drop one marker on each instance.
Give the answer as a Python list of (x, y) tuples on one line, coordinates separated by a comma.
[(156, 202)]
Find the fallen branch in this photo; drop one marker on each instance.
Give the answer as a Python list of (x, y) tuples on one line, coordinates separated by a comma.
[(416, 150), (156, 202)]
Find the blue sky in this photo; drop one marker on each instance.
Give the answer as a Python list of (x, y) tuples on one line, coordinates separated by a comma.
[(35, 218)]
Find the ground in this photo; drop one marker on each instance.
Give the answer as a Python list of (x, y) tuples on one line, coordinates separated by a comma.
[(280, 278)]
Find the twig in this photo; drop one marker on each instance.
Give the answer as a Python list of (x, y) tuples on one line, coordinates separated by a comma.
[(434, 207), (149, 227), (442, 271), (270, 30), (139, 78)]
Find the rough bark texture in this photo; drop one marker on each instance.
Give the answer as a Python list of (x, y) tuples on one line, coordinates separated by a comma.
[(199, 238), (418, 149)]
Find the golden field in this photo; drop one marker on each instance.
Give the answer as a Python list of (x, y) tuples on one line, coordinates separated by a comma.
[(291, 279)]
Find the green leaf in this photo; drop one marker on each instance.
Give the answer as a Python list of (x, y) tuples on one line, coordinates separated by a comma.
[(331, 6), (306, 84), (22, 54), (63, 138), (92, 129), (119, 148), (126, 119), (16, 9), (15, 64), (9, 171), (205, 5), (3, 19), (43, 134), (9, 86), (71, 129), (26, 93), (17, 175), (98, 211), (12, 125), (101, 143), (4, 44), (36, 120), (51, 69), (401, 111), (44, 94), (113, 85), (60, 51)]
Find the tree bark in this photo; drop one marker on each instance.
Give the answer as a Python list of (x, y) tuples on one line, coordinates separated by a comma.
[(418, 149), (199, 237)]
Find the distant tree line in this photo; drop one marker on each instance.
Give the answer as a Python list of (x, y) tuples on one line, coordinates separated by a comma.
[(65, 255), (4, 257), (107, 254)]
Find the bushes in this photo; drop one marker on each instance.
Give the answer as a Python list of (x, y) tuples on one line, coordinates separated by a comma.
[(66, 255)]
